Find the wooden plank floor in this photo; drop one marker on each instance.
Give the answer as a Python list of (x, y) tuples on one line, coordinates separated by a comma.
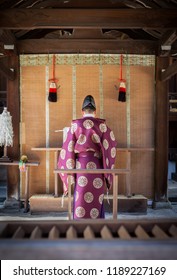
[(126, 239)]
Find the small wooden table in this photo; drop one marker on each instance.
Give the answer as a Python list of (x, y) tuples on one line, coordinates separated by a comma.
[(27, 165), (114, 172)]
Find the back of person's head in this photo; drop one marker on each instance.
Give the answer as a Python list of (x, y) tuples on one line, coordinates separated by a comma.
[(89, 104)]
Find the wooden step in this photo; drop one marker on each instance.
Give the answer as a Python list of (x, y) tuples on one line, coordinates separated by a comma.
[(133, 204), (49, 203)]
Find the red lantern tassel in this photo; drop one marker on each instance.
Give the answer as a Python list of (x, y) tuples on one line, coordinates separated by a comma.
[(52, 92), (53, 87), (122, 87), (122, 92)]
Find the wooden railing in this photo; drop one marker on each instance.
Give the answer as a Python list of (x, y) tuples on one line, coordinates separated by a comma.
[(26, 171), (114, 172), (127, 151)]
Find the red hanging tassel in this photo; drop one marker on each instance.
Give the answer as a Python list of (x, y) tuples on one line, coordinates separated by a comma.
[(52, 92), (122, 86), (122, 92), (53, 86)]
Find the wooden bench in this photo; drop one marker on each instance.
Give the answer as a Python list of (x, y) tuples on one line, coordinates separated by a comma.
[(114, 172)]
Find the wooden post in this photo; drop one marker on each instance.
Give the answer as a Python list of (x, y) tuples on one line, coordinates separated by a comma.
[(13, 106), (127, 177), (56, 175), (26, 189), (69, 198), (161, 133), (115, 200)]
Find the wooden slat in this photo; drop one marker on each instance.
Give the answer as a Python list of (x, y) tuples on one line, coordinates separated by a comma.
[(41, 46), (89, 233), (87, 18), (36, 233), (159, 233), (123, 233), (29, 163), (106, 233), (173, 231), (54, 233), (141, 233), (19, 233), (134, 149), (93, 171), (71, 233)]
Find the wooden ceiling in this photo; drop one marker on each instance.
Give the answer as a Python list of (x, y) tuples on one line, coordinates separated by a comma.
[(93, 26)]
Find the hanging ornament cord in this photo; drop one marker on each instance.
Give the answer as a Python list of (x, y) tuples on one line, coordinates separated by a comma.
[(122, 86), (53, 84)]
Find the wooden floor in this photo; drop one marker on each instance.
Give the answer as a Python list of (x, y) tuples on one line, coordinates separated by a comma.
[(124, 239)]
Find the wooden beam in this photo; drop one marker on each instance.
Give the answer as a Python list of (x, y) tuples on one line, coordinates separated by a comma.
[(7, 38), (169, 72), (166, 42), (6, 72), (87, 18), (35, 46)]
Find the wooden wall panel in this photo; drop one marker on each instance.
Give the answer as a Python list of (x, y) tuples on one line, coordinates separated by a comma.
[(142, 106), (131, 121), (142, 114), (33, 94)]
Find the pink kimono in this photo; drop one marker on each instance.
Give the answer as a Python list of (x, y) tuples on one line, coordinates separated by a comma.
[(90, 144)]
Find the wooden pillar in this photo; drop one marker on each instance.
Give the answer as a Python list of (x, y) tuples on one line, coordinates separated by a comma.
[(161, 133), (13, 105)]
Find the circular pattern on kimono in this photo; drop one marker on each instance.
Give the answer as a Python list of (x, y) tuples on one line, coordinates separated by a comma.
[(73, 127), (105, 144), (101, 197), (63, 154), (94, 213), (82, 139), (76, 195), (88, 124), (71, 146), (88, 197), (82, 181), (113, 152), (97, 183), (78, 165), (112, 136), (103, 127), (107, 161), (95, 138), (80, 212), (70, 163), (91, 165)]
